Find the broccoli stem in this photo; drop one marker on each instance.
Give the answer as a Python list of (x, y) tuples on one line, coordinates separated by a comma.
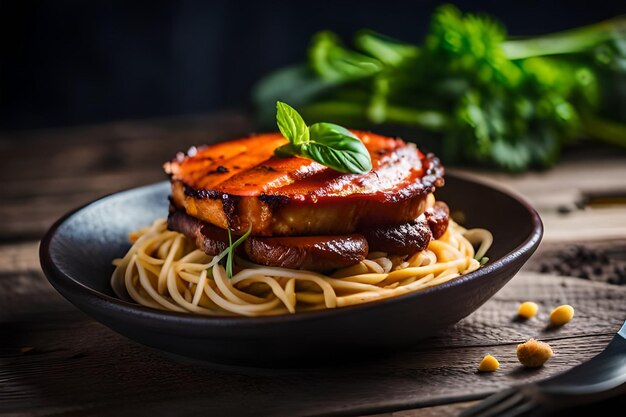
[(565, 42), (609, 131), (427, 119)]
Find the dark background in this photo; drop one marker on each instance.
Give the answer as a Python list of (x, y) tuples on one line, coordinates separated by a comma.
[(77, 62)]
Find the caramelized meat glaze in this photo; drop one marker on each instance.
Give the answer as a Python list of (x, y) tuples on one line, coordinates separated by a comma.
[(304, 215)]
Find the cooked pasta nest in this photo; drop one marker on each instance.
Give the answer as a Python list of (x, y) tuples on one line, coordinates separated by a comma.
[(164, 270)]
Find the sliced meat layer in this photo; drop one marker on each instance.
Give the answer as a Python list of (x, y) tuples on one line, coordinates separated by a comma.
[(208, 238), (318, 253), (438, 218), (404, 239), (314, 253), (240, 183), (409, 238)]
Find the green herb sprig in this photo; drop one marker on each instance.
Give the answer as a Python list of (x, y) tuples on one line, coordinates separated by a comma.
[(231, 250), (329, 144)]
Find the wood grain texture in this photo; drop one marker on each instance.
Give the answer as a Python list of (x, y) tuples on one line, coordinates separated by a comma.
[(56, 361), (46, 173), (559, 194), (68, 364)]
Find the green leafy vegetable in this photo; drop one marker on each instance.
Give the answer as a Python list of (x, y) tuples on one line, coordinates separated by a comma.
[(481, 96), (231, 250), (336, 62), (291, 124), (327, 143)]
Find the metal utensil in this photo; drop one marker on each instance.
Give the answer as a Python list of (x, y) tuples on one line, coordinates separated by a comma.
[(601, 378)]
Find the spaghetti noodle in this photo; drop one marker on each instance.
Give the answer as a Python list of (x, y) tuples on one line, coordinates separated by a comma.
[(164, 270)]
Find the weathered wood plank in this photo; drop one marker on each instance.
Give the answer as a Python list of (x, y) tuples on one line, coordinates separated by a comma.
[(447, 410), (77, 366), (51, 172), (590, 224), (578, 173), (109, 147), (48, 173), (559, 194), (32, 204), (27, 214), (55, 360), (23, 287), (72, 368)]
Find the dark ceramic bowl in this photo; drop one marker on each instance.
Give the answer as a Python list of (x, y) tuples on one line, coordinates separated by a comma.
[(76, 256)]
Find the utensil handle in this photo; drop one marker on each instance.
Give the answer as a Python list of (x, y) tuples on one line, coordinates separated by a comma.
[(604, 372)]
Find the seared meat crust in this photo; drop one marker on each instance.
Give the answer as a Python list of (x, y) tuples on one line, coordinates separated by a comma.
[(318, 253), (411, 237), (240, 183), (314, 253)]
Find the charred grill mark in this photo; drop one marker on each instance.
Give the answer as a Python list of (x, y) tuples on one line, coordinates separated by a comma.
[(221, 169), (230, 203), (201, 194), (256, 188), (274, 202)]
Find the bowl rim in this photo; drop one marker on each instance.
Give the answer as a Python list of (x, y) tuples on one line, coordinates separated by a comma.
[(58, 278)]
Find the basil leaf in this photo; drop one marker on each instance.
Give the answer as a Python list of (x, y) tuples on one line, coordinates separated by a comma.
[(329, 144), (287, 150), (337, 148), (291, 124)]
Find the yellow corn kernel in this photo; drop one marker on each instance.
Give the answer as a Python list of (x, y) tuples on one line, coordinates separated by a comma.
[(488, 364), (561, 314), (527, 309), (534, 353)]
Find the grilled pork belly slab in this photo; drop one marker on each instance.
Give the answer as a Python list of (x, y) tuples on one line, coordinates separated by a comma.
[(240, 183), (313, 253), (318, 253), (438, 218), (409, 238)]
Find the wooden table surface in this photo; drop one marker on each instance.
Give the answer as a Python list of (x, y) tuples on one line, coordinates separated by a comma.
[(54, 360)]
